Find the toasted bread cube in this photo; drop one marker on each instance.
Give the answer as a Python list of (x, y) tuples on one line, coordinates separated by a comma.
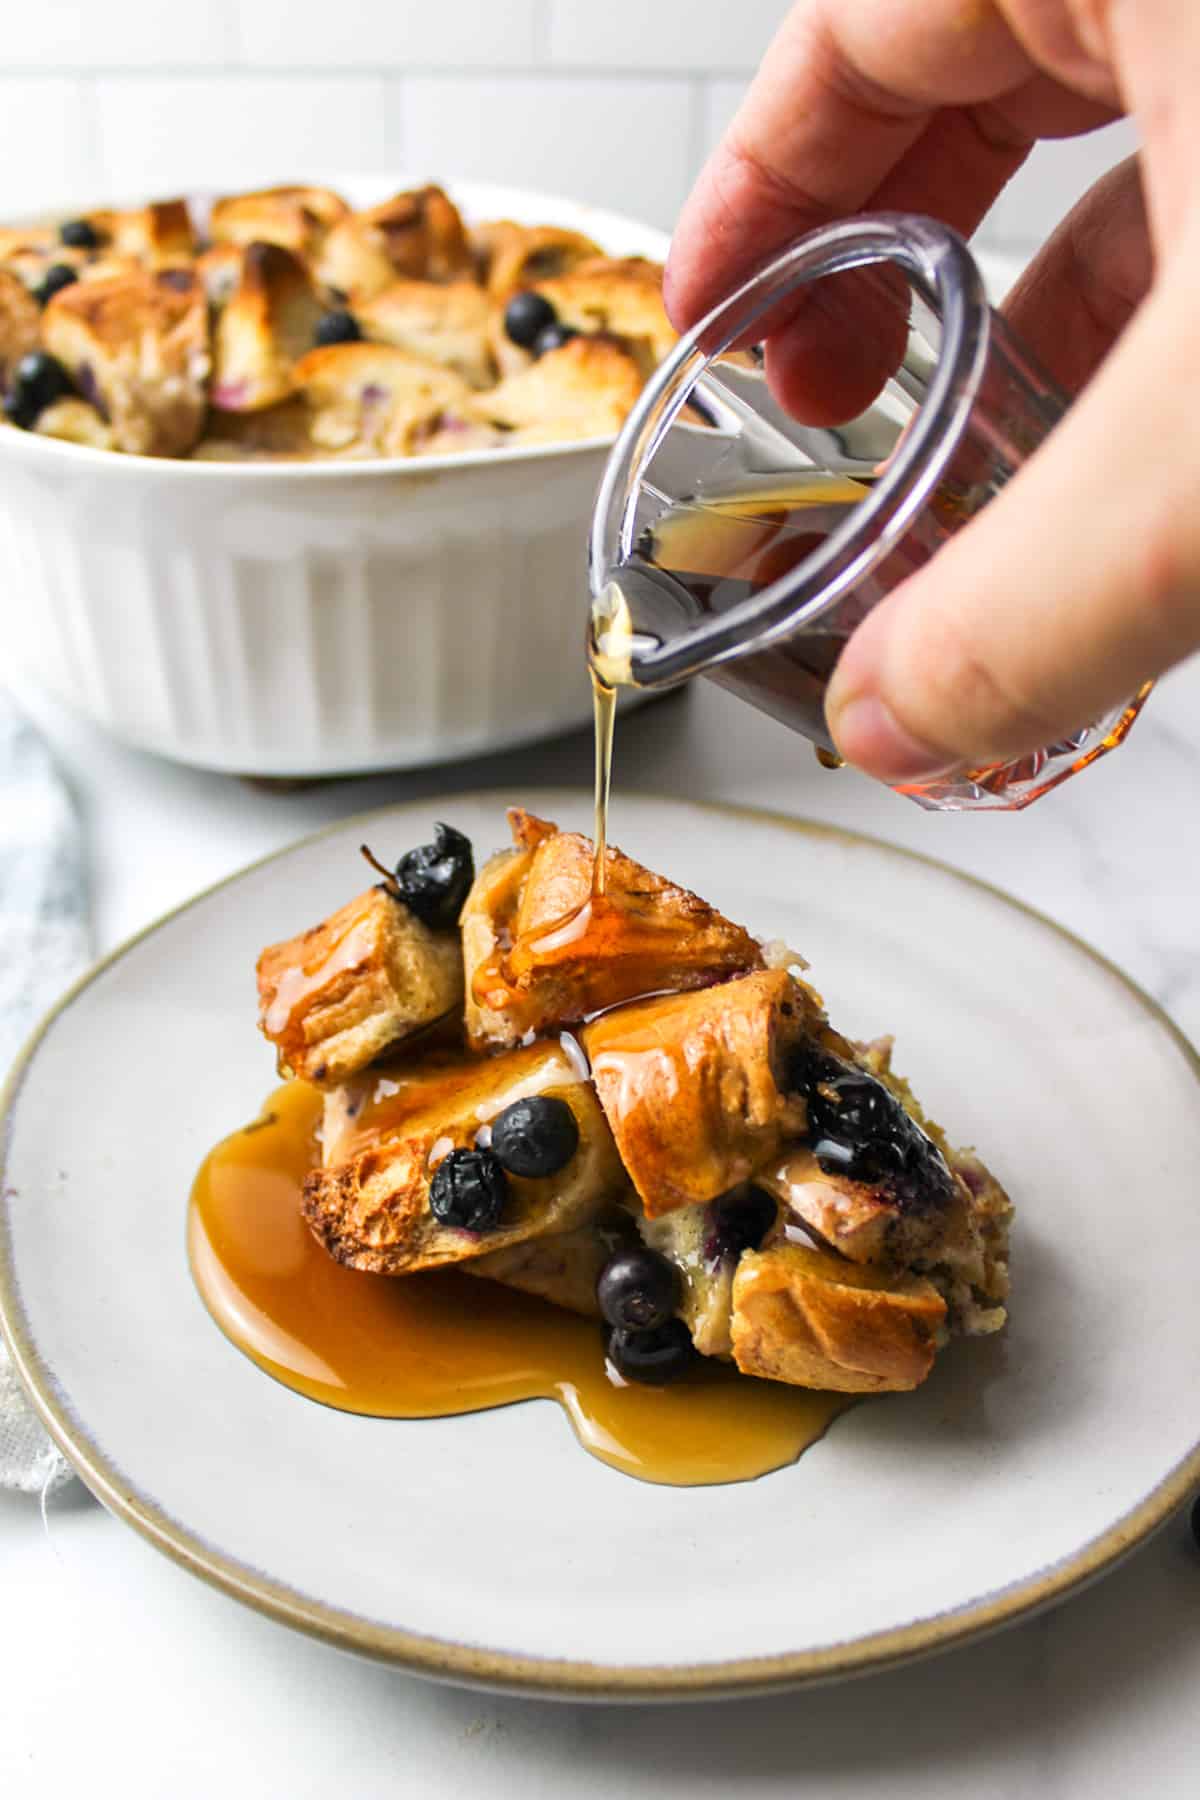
[(586, 388), (297, 218), (263, 330), (370, 1208), (157, 235), (539, 954), (618, 295), (373, 397), (808, 1318), (336, 997), (417, 234), (442, 322), (137, 347), (19, 323), (694, 1085), (487, 923), (857, 1219), (513, 256)]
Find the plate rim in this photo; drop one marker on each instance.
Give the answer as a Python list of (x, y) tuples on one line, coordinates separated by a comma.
[(555, 1677)]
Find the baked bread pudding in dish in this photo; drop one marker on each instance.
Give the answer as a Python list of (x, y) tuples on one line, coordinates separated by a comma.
[(622, 1102), (287, 326)]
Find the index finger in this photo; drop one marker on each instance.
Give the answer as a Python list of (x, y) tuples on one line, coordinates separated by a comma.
[(843, 94)]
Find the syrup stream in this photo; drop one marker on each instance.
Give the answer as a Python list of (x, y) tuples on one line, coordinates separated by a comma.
[(604, 710)]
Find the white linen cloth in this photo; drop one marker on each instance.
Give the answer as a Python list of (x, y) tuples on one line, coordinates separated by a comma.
[(44, 944)]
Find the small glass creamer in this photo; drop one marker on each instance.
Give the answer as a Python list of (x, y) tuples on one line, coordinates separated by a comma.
[(733, 541)]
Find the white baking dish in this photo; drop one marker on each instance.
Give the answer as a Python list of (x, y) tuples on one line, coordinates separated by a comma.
[(310, 618)]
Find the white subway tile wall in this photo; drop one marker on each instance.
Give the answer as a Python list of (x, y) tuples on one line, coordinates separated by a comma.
[(625, 144), (615, 101)]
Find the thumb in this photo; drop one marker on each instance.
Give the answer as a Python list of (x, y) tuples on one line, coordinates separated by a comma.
[(1077, 584)]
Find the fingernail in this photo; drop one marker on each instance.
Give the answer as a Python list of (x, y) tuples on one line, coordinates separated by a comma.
[(869, 735)]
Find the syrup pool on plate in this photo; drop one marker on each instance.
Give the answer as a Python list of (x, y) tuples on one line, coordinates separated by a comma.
[(428, 1345)]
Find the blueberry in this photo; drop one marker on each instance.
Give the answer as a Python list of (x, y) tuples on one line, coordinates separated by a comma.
[(553, 338), (525, 316), (638, 1290), (535, 1137), (434, 879), (739, 1221), (79, 234), (859, 1129), (468, 1190), (338, 327), (57, 277), (655, 1357), (39, 379)]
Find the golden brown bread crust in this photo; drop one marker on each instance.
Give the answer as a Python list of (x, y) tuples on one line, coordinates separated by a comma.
[(337, 996), (442, 322), (683, 1100), (584, 389), (535, 959), (298, 218), (371, 1210), (418, 234), (808, 1318), (513, 256), (157, 235), (365, 398), (264, 328), (137, 347), (618, 295), (693, 1085), (19, 322)]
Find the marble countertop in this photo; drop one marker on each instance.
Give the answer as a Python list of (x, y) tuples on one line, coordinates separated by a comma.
[(115, 1666)]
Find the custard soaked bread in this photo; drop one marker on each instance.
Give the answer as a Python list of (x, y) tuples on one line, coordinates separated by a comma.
[(612, 1101), (281, 323)]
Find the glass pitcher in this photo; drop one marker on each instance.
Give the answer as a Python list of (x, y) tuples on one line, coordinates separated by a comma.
[(733, 541)]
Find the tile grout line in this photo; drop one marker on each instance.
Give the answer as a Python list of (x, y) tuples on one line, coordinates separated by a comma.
[(238, 71)]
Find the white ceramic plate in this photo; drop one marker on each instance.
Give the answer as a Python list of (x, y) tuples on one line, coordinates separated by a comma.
[(491, 1547)]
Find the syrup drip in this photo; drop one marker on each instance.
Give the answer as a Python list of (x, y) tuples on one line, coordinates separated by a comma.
[(429, 1345), (604, 706)]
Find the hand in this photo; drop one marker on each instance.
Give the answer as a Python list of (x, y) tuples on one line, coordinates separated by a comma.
[(1082, 579)]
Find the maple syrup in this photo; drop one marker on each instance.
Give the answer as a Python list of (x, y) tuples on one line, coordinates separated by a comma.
[(604, 709), (444, 1342), (707, 555)]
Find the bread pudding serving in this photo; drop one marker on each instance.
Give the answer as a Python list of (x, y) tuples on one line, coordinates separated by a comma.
[(285, 325), (608, 1095)]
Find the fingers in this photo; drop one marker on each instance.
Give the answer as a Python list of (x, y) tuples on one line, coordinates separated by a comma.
[(842, 95), (844, 115), (1083, 287), (1079, 582)]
